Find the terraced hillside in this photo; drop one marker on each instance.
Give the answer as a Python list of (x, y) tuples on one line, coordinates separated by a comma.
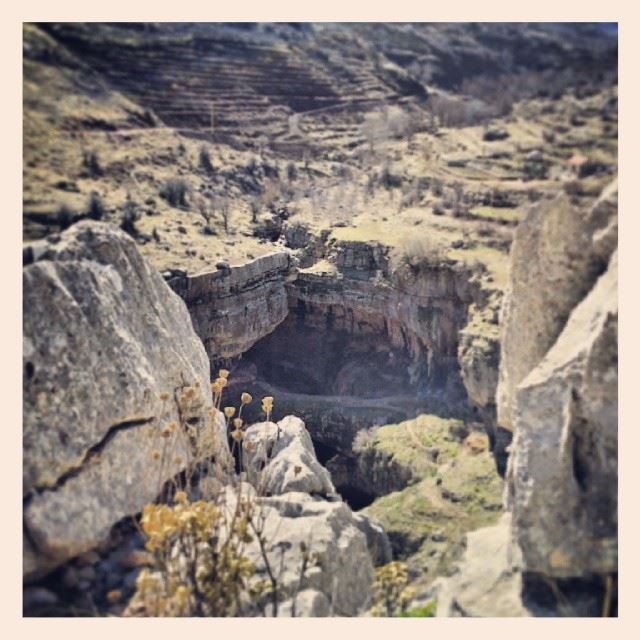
[(240, 82)]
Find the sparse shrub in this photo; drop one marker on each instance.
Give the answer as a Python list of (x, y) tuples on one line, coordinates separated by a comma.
[(254, 205), (418, 251), (387, 179), (204, 160), (130, 215), (270, 193), (411, 194), (536, 170), (199, 567), (252, 166), (174, 191), (95, 207), (199, 562), (65, 216), (456, 112), (91, 162), (292, 172), (391, 591), (438, 209), (222, 206), (436, 187)]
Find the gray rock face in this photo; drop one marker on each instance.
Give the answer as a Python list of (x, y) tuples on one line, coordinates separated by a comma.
[(104, 337), (233, 308), (557, 254), (489, 583), (558, 393), (558, 388), (343, 572), (283, 459), (563, 475), (377, 539)]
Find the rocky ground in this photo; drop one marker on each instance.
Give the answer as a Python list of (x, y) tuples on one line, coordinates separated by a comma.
[(359, 220)]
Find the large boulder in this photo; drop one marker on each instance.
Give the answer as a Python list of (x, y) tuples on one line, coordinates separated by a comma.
[(489, 582), (558, 252), (563, 476), (110, 359), (557, 392), (343, 570), (280, 458)]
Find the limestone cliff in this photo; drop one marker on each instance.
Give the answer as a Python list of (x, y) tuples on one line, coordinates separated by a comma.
[(233, 307), (558, 393), (104, 337)]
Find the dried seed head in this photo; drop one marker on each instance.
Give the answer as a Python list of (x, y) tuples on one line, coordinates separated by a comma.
[(246, 398), (156, 455), (237, 435), (223, 373), (164, 396), (267, 404), (237, 423), (229, 411), (166, 432), (181, 497)]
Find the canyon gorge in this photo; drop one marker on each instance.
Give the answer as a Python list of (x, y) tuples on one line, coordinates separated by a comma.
[(407, 286)]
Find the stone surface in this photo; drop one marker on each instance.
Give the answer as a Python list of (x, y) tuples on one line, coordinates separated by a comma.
[(284, 460), (558, 252), (344, 570), (309, 603), (489, 583), (377, 539), (563, 473), (104, 337), (233, 308)]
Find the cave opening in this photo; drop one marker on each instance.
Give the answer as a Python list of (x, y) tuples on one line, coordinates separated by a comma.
[(342, 373)]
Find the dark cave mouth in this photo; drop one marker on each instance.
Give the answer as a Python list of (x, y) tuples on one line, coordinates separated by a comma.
[(340, 378)]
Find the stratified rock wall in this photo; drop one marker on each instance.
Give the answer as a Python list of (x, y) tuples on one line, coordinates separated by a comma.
[(104, 337), (233, 307)]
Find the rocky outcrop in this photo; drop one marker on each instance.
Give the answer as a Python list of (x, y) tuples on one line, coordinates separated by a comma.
[(233, 307), (563, 477), (281, 462), (557, 254), (110, 359), (280, 458), (343, 572), (482, 588), (558, 393), (558, 388)]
